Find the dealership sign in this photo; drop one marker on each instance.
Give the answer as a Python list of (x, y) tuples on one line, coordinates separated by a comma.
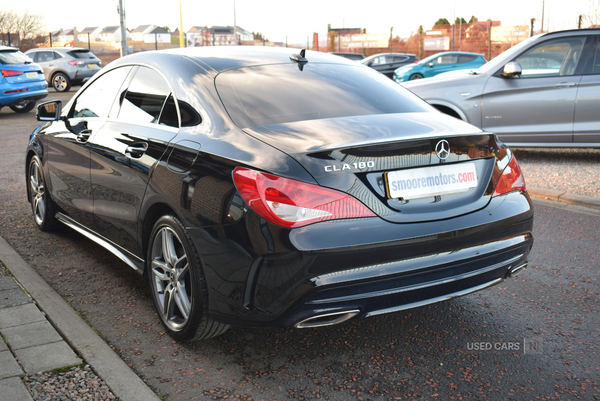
[(436, 43), (510, 34), (365, 40)]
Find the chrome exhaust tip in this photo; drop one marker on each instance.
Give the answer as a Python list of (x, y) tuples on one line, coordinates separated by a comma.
[(513, 271), (327, 319)]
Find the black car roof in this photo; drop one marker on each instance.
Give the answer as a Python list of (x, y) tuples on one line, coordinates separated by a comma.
[(221, 58)]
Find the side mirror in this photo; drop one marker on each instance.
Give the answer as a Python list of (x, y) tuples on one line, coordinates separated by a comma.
[(512, 70), (430, 65), (49, 111)]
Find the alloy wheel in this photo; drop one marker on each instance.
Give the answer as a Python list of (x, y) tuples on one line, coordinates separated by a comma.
[(38, 192), (171, 276)]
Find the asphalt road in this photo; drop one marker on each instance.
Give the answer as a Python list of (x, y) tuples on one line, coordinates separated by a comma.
[(532, 337)]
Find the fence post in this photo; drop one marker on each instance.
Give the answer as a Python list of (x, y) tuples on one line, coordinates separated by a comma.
[(155, 41), (50, 36), (89, 45), (9, 39)]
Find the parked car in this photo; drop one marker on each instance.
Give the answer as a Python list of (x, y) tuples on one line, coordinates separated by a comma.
[(437, 64), (66, 66), (22, 82), (386, 63), (351, 56), (543, 92), (243, 205)]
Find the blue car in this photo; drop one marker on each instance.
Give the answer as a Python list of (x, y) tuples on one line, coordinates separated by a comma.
[(437, 64), (22, 82)]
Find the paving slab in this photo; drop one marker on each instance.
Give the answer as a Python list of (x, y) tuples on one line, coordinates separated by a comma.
[(13, 298), (9, 367), (13, 389), (7, 283), (47, 357), (30, 335), (21, 314)]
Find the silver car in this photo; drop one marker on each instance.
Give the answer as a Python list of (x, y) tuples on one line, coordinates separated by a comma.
[(66, 66), (543, 92)]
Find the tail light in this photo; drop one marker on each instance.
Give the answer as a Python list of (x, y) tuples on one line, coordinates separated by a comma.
[(76, 62), (11, 73), (290, 203), (511, 179)]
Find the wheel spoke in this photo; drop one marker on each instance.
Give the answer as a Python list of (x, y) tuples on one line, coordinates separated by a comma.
[(160, 268), (168, 247), (182, 301)]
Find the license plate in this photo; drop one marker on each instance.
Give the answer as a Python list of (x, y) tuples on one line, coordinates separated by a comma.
[(431, 181), (92, 65), (31, 74)]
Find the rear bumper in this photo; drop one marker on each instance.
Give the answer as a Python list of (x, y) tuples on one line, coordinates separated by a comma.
[(361, 267), (23, 96)]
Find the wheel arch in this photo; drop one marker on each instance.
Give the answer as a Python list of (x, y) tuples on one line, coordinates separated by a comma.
[(154, 212)]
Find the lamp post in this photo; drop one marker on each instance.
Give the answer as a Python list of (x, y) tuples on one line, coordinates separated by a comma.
[(123, 31)]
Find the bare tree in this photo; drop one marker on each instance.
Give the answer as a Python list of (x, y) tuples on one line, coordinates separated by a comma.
[(591, 19), (26, 29)]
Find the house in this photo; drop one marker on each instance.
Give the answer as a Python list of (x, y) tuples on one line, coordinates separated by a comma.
[(223, 36), (113, 34), (91, 33), (158, 35), (198, 36), (67, 36), (139, 33)]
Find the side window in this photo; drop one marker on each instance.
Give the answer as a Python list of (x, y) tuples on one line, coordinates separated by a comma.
[(57, 56), (400, 59), (98, 98), (145, 97), (553, 58), (43, 56), (447, 59), (466, 59), (597, 60)]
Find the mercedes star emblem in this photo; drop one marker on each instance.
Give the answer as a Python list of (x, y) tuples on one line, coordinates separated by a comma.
[(442, 149)]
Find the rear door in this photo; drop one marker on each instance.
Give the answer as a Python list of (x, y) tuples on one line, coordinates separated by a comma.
[(540, 105), (586, 128)]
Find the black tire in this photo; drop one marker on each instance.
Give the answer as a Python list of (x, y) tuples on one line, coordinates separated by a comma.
[(177, 283), (24, 107), (60, 82), (42, 206), (415, 76)]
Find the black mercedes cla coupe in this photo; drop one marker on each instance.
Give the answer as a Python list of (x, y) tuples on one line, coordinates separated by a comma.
[(277, 187)]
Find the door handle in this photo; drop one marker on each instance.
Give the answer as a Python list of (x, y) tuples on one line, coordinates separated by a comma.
[(565, 84), (136, 150)]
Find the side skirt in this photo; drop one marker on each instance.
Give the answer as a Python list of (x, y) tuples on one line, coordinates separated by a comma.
[(131, 260)]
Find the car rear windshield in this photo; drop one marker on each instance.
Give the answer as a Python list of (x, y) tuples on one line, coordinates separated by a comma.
[(81, 54), (282, 93), (13, 57)]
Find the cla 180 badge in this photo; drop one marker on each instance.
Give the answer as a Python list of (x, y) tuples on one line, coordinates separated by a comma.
[(350, 166)]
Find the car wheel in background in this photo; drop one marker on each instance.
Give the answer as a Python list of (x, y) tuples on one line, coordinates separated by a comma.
[(177, 283), (23, 107), (60, 82), (41, 203), (415, 76)]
